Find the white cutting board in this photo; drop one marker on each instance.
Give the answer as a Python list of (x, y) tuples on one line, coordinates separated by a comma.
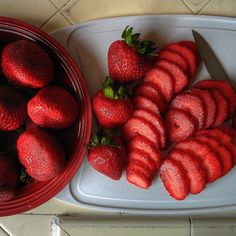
[(88, 43)]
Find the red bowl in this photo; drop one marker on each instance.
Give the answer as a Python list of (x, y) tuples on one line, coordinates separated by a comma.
[(69, 76)]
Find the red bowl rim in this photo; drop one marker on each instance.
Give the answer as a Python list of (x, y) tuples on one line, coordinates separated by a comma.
[(53, 187)]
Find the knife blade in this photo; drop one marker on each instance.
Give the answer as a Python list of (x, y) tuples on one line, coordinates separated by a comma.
[(212, 63)]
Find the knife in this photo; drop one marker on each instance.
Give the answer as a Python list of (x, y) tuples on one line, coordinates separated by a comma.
[(212, 63)]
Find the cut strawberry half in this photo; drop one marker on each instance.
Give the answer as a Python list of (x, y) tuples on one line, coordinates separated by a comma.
[(224, 87), (175, 58), (175, 179), (156, 121), (208, 157), (137, 125), (188, 54), (151, 92), (179, 125), (192, 166), (142, 143), (190, 45), (141, 102), (231, 147), (181, 78), (193, 104), (223, 154), (222, 107), (161, 79), (209, 104)]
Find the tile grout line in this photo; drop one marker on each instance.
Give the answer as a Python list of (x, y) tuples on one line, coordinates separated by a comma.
[(204, 6), (191, 229), (45, 22), (188, 6)]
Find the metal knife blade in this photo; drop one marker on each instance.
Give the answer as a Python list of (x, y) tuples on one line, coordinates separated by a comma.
[(212, 63)]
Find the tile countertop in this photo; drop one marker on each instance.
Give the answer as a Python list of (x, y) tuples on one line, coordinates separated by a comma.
[(55, 14)]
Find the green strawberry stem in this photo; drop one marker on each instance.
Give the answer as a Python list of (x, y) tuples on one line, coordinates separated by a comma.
[(145, 48), (24, 177)]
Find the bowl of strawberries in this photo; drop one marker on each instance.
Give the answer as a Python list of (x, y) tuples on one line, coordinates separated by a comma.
[(45, 118)]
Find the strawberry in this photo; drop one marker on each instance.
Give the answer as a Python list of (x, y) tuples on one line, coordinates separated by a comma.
[(27, 64), (53, 107), (141, 102), (107, 154), (41, 154), (6, 194), (129, 59), (13, 108), (111, 105)]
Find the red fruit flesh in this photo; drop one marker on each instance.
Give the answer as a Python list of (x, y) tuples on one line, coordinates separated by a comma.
[(224, 87), (41, 154), (190, 57), (6, 194), (208, 158), (155, 120), (209, 104), (26, 64), (175, 179), (141, 102), (196, 175), (162, 80), (111, 112), (179, 125), (190, 45), (142, 143), (222, 107), (193, 104), (180, 77), (13, 109), (149, 91), (232, 149), (175, 58), (136, 125), (53, 107)]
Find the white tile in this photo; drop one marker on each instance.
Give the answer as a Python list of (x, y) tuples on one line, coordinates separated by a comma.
[(59, 3)]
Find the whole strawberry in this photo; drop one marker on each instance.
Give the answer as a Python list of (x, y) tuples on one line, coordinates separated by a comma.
[(130, 59), (107, 154), (53, 107), (13, 109), (41, 154), (111, 105), (26, 64)]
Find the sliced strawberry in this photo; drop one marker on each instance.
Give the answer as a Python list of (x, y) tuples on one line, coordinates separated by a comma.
[(193, 104), (222, 107), (234, 121), (181, 79), (179, 125), (187, 53), (175, 58), (231, 147), (224, 87), (161, 79), (190, 45), (209, 104), (156, 121), (151, 92), (141, 102), (208, 157), (137, 125), (193, 169), (175, 179), (223, 154), (142, 143)]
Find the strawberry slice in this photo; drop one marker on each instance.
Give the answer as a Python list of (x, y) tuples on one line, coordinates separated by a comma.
[(187, 53), (137, 125), (209, 104), (231, 147), (181, 79), (179, 125), (223, 154), (190, 45), (192, 166), (156, 121), (142, 143), (175, 58), (141, 102), (175, 179), (143, 157), (161, 79), (224, 87), (222, 107), (151, 92), (208, 157), (193, 104)]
